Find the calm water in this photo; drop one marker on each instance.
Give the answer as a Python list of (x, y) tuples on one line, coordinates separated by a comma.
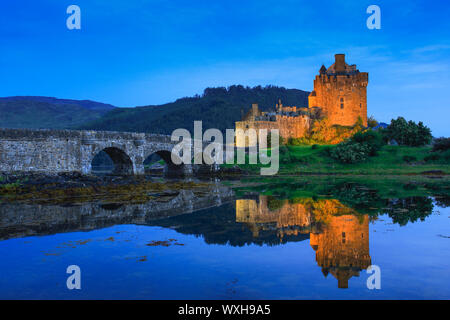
[(260, 247)]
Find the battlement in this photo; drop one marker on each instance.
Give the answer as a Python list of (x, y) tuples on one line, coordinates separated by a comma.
[(353, 76)]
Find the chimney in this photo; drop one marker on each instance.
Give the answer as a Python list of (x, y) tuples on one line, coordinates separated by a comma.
[(255, 110), (342, 282), (339, 63)]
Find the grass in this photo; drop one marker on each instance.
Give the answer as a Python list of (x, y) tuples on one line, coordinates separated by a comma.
[(325, 186), (161, 162), (390, 160)]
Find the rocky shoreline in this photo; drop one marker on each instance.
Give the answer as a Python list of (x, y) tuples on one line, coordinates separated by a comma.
[(75, 188)]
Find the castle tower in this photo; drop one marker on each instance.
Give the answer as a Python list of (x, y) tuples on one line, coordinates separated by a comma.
[(341, 93), (342, 247)]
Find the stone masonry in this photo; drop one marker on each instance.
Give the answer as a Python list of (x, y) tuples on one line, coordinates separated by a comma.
[(54, 151), (341, 93)]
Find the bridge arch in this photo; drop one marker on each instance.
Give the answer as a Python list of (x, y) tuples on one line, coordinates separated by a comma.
[(123, 165), (170, 168)]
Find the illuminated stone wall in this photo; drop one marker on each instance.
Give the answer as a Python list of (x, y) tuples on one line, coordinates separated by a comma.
[(295, 127), (341, 93), (342, 247), (257, 214)]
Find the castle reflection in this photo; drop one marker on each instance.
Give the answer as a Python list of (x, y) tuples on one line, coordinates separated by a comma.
[(337, 233)]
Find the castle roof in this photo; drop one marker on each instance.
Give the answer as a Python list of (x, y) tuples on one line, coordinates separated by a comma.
[(348, 69)]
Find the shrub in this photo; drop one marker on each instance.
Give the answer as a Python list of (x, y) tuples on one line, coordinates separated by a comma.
[(441, 144), (408, 133), (350, 152), (372, 139), (359, 147), (299, 141)]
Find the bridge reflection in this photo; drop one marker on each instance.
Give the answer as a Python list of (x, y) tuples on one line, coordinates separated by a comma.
[(337, 233)]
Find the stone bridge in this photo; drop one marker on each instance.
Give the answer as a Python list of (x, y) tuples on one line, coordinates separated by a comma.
[(54, 151)]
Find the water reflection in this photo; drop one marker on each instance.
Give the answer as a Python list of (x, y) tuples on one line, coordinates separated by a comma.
[(337, 233), (19, 220), (337, 227)]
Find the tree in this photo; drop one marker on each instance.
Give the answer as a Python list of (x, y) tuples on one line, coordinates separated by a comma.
[(371, 122), (323, 131), (408, 133), (441, 144)]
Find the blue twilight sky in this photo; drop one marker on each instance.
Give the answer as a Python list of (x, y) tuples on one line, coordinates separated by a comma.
[(141, 52)]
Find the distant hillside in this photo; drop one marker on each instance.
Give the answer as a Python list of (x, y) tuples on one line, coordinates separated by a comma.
[(217, 108), (87, 104), (49, 113)]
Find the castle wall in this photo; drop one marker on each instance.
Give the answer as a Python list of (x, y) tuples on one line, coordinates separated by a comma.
[(257, 215), (294, 127), (243, 140), (342, 98), (251, 211)]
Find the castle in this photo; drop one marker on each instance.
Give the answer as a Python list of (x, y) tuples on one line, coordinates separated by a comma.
[(338, 234), (340, 94)]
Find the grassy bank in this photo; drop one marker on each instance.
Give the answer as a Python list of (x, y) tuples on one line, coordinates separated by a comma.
[(398, 186), (390, 160)]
